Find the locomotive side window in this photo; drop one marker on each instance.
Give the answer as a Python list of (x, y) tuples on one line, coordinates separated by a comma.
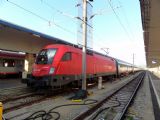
[(8, 63), (67, 56), (46, 56)]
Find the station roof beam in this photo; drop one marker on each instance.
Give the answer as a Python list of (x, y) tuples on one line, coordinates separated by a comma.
[(151, 27)]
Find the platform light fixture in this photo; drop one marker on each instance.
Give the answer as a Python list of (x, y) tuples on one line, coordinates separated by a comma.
[(154, 62), (12, 52), (22, 53), (36, 35)]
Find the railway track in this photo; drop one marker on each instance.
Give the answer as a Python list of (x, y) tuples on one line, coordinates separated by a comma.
[(27, 99), (11, 93), (17, 98), (22, 101), (114, 106)]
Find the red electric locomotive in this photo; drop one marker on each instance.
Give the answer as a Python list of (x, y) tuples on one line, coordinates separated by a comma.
[(58, 65)]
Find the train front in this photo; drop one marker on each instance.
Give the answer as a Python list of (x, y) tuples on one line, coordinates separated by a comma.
[(43, 69)]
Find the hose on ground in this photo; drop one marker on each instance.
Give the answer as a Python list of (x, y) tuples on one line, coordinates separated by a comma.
[(49, 115)]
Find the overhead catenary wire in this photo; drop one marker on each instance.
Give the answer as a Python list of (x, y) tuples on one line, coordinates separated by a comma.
[(73, 18), (27, 10), (119, 20), (127, 21), (64, 14), (40, 17), (57, 10), (48, 21), (43, 18)]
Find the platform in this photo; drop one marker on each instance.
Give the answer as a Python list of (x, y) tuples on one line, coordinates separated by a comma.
[(155, 94)]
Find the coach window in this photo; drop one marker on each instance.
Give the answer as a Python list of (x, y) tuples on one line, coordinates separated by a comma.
[(67, 56), (8, 63)]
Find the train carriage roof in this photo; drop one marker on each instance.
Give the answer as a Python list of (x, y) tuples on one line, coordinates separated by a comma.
[(124, 63)]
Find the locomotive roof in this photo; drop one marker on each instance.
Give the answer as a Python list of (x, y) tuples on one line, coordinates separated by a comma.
[(89, 51)]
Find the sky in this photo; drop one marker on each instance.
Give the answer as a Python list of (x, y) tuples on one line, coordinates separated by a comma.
[(116, 25)]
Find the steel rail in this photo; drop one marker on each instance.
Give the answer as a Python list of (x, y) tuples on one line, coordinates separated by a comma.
[(89, 112), (121, 117), (18, 97), (23, 104)]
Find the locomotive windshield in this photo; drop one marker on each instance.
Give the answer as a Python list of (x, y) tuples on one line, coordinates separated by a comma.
[(45, 56)]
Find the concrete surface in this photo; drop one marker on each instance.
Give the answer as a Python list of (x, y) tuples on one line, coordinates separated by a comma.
[(67, 112), (142, 108)]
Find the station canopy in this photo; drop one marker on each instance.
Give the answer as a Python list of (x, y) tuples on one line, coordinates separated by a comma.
[(17, 38), (150, 13)]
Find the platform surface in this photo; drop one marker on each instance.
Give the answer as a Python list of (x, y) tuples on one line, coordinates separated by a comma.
[(156, 82)]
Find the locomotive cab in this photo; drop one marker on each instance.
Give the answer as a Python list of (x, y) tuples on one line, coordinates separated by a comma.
[(43, 69), (43, 64), (51, 67)]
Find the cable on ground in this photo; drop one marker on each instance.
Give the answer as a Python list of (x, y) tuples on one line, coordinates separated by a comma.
[(109, 107), (48, 115)]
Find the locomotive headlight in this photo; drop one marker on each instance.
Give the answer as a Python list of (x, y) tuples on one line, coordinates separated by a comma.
[(51, 70)]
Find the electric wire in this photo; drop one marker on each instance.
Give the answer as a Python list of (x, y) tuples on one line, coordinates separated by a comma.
[(65, 14), (27, 11), (42, 18), (119, 20), (73, 19), (48, 115), (58, 11), (100, 111), (127, 21), (48, 21)]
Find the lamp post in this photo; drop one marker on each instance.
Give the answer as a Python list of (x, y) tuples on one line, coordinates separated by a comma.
[(84, 44)]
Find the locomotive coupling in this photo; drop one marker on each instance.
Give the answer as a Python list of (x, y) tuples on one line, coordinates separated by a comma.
[(1, 110)]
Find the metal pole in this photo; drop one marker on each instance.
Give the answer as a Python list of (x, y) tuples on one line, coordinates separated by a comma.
[(133, 62), (84, 45)]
